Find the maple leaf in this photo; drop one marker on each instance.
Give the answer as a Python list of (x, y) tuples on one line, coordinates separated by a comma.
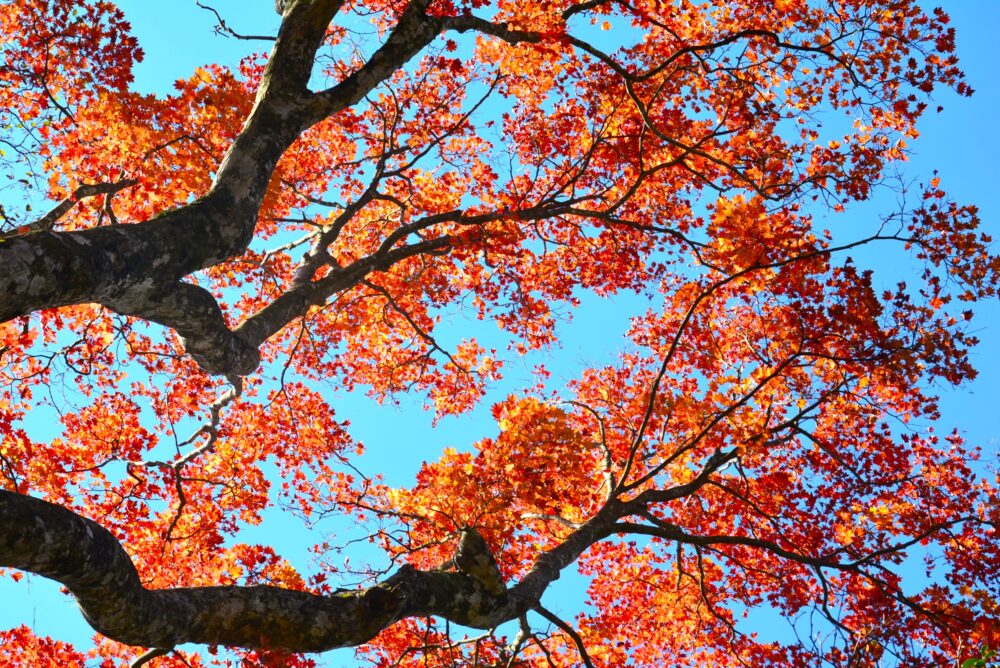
[(405, 197)]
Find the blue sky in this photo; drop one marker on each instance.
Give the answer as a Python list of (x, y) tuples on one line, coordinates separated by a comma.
[(962, 144)]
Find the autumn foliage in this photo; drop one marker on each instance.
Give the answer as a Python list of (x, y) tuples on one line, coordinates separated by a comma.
[(759, 446)]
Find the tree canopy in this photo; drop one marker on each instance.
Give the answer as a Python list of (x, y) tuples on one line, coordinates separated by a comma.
[(212, 265)]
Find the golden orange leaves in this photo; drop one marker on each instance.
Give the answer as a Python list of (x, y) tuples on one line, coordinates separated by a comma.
[(759, 401)]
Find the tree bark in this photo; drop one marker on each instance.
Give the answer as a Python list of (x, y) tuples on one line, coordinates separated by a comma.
[(51, 541), (138, 269), (56, 543)]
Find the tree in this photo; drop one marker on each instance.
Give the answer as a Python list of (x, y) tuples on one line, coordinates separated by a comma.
[(212, 259)]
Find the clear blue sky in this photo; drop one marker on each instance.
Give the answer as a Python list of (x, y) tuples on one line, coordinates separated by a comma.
[(962, 143)]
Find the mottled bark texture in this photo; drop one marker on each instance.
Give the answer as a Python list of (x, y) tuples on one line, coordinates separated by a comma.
[(56, 543), (139, 269)]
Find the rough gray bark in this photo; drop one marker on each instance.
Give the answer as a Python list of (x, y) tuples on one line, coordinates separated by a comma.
[(43, 538), (139, 269), (51, 541), (56, 543)]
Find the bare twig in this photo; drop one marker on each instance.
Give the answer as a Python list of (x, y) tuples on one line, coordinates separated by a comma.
[(148, 656), (222, 28), (48, 221), (570, 631)]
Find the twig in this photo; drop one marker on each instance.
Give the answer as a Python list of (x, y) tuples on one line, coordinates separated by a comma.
[(222, 28), (148, 656), (570, 631), (48, 221)]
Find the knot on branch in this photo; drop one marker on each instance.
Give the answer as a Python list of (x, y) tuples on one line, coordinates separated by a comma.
[(474, 558)]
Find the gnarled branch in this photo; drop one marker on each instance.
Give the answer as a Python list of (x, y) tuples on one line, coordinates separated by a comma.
[(56, 543)]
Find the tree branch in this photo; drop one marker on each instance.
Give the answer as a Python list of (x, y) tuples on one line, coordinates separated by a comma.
[(412, 33), (194, 314), (48, 221), (146, 657), (137, 269), (56, 543), (49, 269), (468, 22), (571, 632), (222, 28)]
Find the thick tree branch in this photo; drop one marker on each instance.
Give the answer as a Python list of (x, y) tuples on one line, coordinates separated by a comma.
[(137, 269), (277, 117), (412, 33), (473, 557), (54, 542), (194, 314), (49, 269)]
